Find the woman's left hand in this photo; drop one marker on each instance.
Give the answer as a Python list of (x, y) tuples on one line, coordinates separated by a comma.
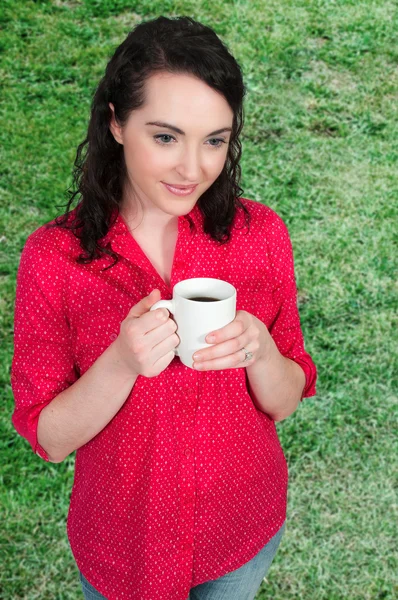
[(245, 331)]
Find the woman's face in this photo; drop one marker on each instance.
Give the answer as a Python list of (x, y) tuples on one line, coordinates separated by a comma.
[(157, 154)]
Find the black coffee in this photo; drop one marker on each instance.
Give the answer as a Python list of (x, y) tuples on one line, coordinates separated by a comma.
[(204, 299)]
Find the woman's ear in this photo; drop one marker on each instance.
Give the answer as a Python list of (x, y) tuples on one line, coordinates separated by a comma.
[(116, 130)]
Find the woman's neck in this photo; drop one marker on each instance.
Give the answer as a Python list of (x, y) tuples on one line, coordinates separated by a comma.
[(142, 219)]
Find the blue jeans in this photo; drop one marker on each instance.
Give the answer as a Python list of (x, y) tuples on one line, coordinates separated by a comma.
[(241, 584)]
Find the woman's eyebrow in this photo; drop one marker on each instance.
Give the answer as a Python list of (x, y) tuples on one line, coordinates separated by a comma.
[(177, 130)]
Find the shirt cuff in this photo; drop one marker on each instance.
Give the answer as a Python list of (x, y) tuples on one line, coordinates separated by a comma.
[(310, 375), (41, 452)]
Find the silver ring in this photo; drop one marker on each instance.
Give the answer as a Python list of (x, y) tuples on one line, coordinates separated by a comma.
[(248, 355)]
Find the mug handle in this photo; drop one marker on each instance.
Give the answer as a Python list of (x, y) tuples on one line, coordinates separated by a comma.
[(169, 304)]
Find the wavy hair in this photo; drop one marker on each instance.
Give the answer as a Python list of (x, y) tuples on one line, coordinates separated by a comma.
[(180, 46)]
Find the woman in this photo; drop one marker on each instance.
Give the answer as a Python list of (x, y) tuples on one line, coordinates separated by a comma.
[(180, 481)]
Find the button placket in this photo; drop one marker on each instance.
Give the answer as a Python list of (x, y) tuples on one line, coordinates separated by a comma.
[(180, 253), (186, 422)]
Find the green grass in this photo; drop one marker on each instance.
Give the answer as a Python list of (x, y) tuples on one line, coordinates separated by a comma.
[(321, 148)]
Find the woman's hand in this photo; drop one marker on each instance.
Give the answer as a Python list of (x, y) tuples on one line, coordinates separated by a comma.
[(145, 345), (245, 331)]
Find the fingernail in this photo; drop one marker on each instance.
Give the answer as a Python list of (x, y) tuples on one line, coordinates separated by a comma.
[(197, 357), (210, 338)]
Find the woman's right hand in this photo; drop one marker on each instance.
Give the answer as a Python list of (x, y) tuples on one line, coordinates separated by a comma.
[(146, 342)]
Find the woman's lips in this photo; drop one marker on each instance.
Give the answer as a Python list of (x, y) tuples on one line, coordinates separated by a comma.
[(180, 191)]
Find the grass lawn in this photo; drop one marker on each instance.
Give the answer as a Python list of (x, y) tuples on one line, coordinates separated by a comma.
[(320, 146)]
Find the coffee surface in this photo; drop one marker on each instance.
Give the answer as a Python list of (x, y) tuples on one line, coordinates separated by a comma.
[(204, 299)]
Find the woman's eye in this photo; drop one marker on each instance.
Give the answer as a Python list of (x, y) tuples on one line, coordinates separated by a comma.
[(219, 142), (164, 135)]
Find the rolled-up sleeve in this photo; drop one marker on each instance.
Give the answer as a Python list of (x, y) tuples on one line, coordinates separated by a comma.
[(285, 328), (42, 364)]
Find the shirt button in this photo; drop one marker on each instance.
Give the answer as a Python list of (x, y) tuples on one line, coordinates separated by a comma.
[(188, 452), (113, 336), (186, 547), (190, 391), (188, 500)]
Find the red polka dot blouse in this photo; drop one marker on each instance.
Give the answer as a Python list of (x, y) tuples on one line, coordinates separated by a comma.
[(188, 481)]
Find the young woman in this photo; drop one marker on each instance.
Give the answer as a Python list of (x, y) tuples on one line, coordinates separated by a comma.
[(180, 480)]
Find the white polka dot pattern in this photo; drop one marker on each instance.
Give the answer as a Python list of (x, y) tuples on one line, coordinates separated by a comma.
[(188, 481)]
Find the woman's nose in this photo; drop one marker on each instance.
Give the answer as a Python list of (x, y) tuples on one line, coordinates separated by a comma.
[(190, 165)]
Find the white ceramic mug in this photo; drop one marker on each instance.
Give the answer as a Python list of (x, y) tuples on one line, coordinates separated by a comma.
[(196, 318)]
